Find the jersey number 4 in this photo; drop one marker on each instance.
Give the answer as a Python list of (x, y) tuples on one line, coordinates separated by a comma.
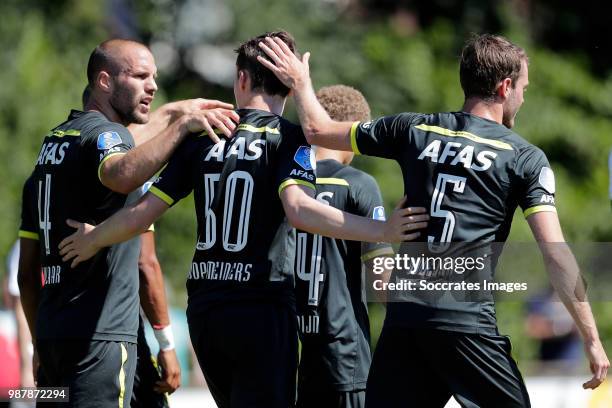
[(234, 240), (313, 274), (458, 185), (44, 201)]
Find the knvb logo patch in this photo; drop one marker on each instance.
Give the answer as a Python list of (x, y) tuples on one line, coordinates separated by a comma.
[(547, 179), (305, 158), (108, 140), (379, 213)]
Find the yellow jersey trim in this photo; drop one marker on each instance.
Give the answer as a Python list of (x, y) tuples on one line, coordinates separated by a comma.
[(161, 195), (332, 180), (354, 138), (254, 129), (28, 235), (103, 161), (291, 182), (151, 228), (460, 133), (539, 208), (62, 133), (124, 358), (376, 253)]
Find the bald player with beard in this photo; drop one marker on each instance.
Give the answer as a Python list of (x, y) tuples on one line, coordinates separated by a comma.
[(84, 320)]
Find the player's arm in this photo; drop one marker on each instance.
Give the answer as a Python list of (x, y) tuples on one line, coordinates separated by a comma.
[(28, 278), (565, 277), (307, 214), (124, 172), (168, 113), (155, 306), (319, 128), (123, 225)]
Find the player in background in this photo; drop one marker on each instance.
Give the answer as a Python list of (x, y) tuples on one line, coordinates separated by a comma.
[(84, 321), (24, 340), (241, 301), (473, 171), (331, 274)]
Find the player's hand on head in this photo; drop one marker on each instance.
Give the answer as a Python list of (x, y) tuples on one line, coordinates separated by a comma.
[(288, 68), (207, 120), (79, 246), (404, 223), (171, 372), (598, 363)]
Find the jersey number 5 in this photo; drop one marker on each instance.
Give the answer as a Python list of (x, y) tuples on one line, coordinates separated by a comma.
[(436, 210)]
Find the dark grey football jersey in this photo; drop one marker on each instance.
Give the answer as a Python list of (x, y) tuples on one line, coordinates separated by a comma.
[(99, 298), (330, 284), (244, 249), (471, 173)]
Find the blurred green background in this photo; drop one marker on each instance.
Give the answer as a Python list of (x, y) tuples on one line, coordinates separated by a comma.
[(401, 55)]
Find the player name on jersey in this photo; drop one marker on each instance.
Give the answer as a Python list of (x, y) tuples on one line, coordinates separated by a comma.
[(52, 274), (308, 324), (236, 271)]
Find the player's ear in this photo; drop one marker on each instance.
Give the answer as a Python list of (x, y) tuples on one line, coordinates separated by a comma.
[(244, 80), (504, 88), (104, 81)]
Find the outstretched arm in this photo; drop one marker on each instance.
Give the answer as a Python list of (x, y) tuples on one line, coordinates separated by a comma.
[(124, 173), (308, 214), (168, 113), (564, 276), (123, 225), (318, 127)]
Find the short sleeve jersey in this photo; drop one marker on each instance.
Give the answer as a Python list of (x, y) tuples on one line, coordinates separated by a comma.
[(471, 173), (244, 249), (330, 283), (98, 299)]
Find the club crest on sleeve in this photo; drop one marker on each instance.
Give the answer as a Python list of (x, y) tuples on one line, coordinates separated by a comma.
[(107, 140), (379, 213), (547, 179), (304, 156)]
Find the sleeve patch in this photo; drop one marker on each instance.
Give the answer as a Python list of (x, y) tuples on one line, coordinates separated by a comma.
[(107, 140), (146, 186), (304, 156), (547, 179), (379, 213)]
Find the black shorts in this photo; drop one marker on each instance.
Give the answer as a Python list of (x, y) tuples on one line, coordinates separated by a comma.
[(248, 353), (423, 368), (147, 374), (310, 397), (98, 374)]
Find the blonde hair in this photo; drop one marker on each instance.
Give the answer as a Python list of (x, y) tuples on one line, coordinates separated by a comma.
[(344, 103)]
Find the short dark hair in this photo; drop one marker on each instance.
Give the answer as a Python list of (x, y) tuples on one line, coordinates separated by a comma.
[(486, 60), (344, 104), (262, 77)]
